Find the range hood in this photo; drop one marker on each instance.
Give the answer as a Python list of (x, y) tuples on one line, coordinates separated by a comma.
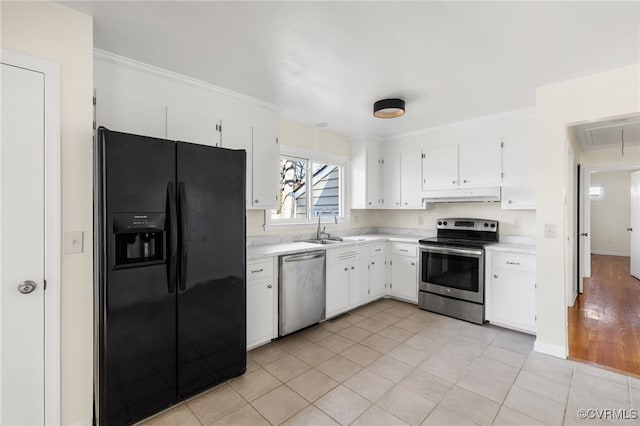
[(462, 195)]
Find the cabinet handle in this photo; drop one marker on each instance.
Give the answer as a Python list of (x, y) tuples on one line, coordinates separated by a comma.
[(405, 203), (369, 202), (256, 201), (465, 181), (510, 201), (453, 181), (373, 263), (495, 275), (346, 269), (257, 270), (269, 286), (413, 263), (513, 263), (353, 267), (403, 250)]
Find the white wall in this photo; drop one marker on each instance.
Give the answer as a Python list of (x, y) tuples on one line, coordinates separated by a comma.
[(590, 98), (610, 217), (62, 35)]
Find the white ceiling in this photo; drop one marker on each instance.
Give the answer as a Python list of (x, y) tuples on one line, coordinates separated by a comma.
[(329, 61)]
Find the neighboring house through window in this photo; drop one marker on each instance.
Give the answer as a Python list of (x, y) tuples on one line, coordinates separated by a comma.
[(310, 183)]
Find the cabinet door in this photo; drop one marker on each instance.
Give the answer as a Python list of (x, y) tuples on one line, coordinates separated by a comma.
[(519, 181), (404, 277), (513, 298), (259, 312), (192, 126), (359, 281), (391, 179), (374, 172), (410, 175), (480, 163), (121, 112), (266, 158), (238, 134), (376, 277), (440, 167), (337, 288)]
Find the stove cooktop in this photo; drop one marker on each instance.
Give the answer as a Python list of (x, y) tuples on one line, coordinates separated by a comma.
[(455, 242)]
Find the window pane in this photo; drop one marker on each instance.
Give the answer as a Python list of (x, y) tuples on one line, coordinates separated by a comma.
[(293, 181), (326, 193), (596, 192)]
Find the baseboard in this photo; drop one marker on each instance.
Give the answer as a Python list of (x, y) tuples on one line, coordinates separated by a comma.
[(553, 350), (610, 253)]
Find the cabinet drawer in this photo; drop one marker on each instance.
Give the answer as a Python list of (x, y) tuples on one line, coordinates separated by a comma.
[(376, 250), (260, 270), (516, 262), (404, 249)]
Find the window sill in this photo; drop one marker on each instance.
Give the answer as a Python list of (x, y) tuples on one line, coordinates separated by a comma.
[(304, 225)]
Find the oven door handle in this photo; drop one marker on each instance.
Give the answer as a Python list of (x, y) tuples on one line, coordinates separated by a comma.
[(447, 250)]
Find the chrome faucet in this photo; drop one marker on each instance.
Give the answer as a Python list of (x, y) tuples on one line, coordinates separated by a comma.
[(335, 218)]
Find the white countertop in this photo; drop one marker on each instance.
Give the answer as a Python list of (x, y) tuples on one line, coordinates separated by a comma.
[(513, 248), (266, 250)]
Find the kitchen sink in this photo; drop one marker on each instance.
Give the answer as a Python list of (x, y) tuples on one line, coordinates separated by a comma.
[(336, 240)]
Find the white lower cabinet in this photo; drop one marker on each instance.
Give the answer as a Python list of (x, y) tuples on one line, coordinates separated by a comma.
[(261, 302), (404, 271), (511, 290)]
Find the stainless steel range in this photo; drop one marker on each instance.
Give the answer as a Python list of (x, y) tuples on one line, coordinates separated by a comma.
[(452, 268)]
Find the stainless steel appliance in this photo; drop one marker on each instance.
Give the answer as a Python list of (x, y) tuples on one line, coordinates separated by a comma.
[(301, 291), (452, 268), (170, 287)]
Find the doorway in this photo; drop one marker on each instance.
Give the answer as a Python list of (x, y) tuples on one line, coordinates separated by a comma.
[(603, 322), (30, 249)]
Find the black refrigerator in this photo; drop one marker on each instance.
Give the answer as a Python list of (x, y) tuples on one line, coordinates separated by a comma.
[(170, 307)]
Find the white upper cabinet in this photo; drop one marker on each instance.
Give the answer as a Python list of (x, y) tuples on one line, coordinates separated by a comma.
[(237, 133), (462, 165), (480, 163), (410, 172), (365, 174), (391, 181), (265, 160), (189, 125), (122, 112), (519, 182), (440, 167)]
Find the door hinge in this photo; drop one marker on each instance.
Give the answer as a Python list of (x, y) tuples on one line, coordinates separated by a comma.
[(94, 100), (94, 125), (502, 175), (423, 155), (382, 161), (390, 262), (368, 291), (45, 281), (535, 318), (277, 141), (390, 285), (501, 144)]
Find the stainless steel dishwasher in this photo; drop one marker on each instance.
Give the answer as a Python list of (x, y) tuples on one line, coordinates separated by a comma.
[(301, 291)]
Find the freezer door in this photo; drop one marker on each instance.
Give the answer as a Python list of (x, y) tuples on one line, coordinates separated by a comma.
[(135, 307), (212, 293)]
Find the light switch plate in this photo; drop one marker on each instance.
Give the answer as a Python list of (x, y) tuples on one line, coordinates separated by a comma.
[(549, 230), (73, 242)]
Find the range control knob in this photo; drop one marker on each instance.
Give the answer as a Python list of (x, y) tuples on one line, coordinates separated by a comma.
[(439, 222), (493, 225), (444, 223), (486, 225)]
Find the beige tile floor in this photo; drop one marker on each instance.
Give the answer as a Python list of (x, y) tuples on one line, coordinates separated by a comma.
[(390, 363)]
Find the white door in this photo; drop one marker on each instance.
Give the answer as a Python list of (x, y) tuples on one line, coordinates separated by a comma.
[(192, 125), (635, 224), (122, 112), (22, 247), (410, 175), (485, 172), (391, 180), (404, 277)]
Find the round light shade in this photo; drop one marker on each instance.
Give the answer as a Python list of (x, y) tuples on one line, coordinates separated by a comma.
[(388, 108)]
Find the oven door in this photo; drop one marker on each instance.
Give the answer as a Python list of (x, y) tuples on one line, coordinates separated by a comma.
[(453, 272)]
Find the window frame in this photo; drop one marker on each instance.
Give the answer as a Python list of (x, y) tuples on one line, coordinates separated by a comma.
[(314, 157)]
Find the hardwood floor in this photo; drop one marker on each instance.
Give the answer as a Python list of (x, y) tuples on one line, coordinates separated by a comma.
[(604, 323)]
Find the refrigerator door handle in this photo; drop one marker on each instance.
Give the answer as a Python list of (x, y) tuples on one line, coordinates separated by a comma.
[(182, 200), (172, 244)]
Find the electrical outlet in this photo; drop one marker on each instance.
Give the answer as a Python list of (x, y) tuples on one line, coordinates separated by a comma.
[(550, 230), (73, 242), (420, 220), (516, 223)]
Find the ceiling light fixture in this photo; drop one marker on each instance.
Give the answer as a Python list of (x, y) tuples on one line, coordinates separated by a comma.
[(388, 108)]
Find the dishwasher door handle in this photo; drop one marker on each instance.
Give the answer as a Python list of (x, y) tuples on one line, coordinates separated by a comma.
[(302, 257)]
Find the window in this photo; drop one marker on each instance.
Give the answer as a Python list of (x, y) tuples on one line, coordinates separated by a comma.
[(596, 192), (310, 184)]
